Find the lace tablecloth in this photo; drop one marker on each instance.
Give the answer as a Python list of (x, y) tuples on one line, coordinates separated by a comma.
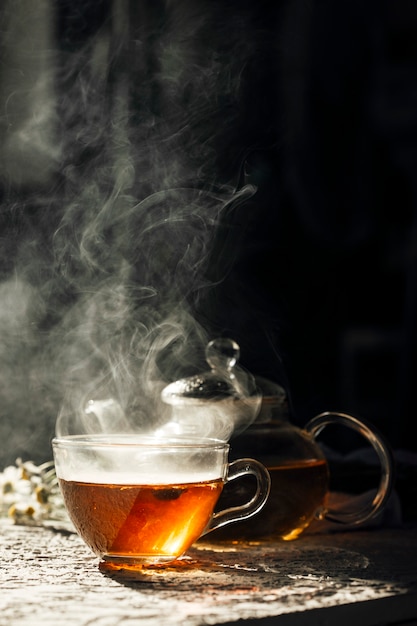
[(48, 576)]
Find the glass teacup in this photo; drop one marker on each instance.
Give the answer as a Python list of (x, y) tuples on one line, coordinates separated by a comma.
[(140, 500)]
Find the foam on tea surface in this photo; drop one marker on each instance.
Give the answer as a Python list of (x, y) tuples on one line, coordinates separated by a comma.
[(132, 478)]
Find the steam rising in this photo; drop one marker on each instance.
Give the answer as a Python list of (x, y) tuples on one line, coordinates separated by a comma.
[(113, 191)]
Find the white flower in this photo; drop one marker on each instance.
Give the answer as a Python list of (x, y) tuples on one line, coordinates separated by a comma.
[(30, 494)]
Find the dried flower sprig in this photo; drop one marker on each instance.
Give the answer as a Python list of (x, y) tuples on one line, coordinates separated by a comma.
[(30, 494)]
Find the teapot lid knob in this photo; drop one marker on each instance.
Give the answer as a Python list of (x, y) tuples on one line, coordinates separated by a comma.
[(222, 353)]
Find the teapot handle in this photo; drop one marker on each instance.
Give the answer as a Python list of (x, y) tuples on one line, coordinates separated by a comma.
[(318, 423)]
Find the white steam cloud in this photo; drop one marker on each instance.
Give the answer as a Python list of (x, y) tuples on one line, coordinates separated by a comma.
[(112, 190)]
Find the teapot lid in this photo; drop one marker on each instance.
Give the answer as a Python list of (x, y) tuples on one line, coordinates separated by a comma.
[(224, 380)]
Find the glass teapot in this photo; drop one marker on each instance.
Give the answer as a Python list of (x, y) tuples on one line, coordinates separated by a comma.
[(227, 402), (300, 474)]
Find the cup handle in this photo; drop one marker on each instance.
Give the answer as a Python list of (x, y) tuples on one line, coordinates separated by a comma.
[(237, 469), (317, 424)]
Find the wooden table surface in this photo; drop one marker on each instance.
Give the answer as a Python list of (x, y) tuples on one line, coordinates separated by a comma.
[(48, 577)]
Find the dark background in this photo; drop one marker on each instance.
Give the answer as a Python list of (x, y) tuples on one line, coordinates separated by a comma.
[(313, 102)]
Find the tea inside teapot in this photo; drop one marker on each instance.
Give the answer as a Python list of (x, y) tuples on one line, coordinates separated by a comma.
[(298, 470)]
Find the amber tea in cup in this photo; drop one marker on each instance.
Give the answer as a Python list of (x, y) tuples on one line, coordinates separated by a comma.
[(138, 500)]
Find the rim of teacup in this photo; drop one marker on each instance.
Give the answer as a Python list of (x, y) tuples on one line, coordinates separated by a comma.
[(136, 440)]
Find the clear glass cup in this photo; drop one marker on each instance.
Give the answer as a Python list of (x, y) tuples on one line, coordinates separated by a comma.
[(139, 500)]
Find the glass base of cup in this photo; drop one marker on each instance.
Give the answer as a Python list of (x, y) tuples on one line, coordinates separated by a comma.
[(116, 563)]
